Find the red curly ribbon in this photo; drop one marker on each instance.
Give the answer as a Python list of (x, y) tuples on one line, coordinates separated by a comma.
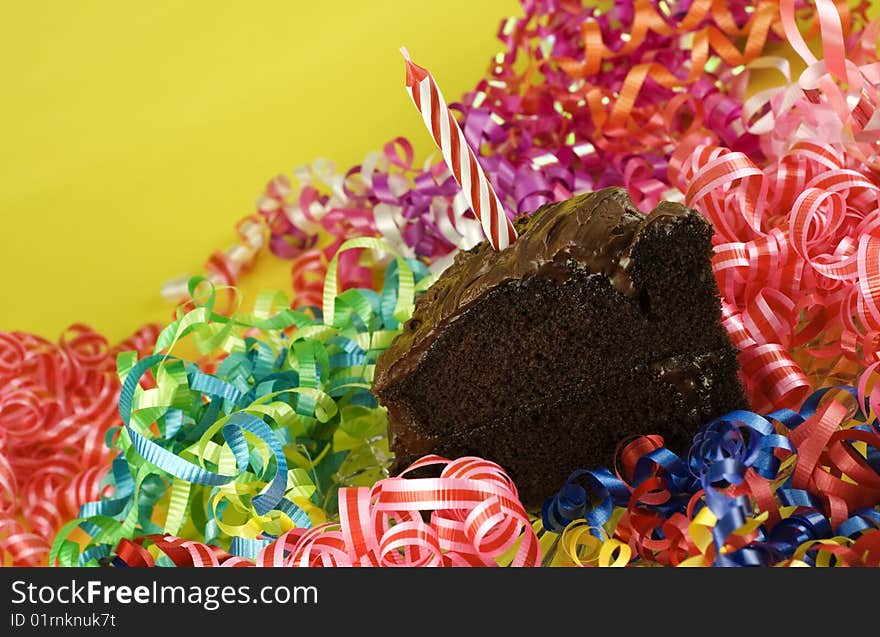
[(796, 258)]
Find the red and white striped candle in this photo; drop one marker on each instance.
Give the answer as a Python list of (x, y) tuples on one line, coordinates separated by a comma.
[(459, 157)]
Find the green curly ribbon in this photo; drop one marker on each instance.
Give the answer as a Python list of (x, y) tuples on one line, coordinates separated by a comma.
[(237, 456)]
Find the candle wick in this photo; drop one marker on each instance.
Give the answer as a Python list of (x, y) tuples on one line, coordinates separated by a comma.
[(405, 53)]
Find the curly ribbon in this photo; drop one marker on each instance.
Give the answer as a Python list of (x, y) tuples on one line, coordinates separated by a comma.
[(260, 444), (835, 99), (57, 404), (788, 488), (224, 268), (476, 519)]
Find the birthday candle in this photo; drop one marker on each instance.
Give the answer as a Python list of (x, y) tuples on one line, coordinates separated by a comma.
[(459, 157)]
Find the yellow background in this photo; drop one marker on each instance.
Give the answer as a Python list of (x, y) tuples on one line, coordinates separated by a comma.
[(134, 135)]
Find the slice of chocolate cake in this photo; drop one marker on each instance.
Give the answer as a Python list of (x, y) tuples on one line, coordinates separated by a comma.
[(598, 324)]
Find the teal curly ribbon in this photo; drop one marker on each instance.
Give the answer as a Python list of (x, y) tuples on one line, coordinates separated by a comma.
[(257, 437)]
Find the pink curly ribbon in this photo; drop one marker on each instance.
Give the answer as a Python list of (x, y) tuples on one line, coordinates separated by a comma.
[(834, 101), (417, 212), (57, 403), (476, 519)]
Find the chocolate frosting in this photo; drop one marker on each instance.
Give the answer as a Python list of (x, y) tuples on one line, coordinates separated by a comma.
[(688, 375), (596, 230)]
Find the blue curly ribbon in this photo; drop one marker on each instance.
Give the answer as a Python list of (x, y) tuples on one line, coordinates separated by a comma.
[(720, 454)]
